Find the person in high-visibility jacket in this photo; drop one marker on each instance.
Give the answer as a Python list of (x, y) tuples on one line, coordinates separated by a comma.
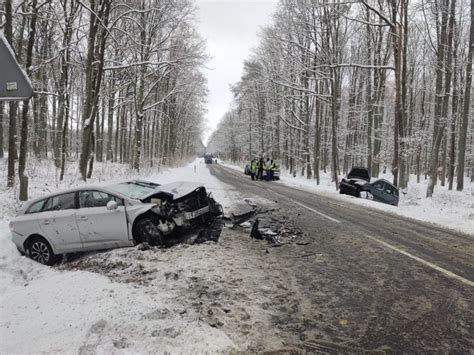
[(253, 169), (275, 167)]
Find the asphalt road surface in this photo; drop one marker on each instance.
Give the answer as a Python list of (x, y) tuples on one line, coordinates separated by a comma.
[(368, 280)]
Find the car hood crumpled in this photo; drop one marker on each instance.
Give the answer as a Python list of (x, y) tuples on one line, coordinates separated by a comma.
[(178, 189)]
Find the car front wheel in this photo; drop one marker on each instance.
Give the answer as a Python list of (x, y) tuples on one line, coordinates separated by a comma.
[(39, 250), (148, 232), (367, 195)]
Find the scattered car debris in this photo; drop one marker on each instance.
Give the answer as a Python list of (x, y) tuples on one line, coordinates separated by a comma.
[(276, 231), (246, 224), (212, 232), (244, 213)]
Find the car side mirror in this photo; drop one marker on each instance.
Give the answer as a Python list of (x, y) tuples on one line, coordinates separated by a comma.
[(112, 205)]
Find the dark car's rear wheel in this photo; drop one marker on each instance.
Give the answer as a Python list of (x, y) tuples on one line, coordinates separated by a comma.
[(39, 250), (147, 232)]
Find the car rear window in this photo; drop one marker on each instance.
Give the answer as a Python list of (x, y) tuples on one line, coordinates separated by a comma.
[(60, 202), (35, 207)]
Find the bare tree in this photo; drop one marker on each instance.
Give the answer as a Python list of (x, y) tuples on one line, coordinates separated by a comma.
[(466, 107)]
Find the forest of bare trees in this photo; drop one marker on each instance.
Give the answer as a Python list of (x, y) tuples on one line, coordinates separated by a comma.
[(120, 81), (383, 83)]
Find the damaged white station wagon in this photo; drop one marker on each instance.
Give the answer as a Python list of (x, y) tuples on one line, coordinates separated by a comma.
[(104, 217)]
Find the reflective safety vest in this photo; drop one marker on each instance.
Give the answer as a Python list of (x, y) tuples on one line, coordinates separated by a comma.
[(275, 166)]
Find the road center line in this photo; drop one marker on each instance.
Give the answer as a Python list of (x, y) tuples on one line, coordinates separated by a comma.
[(424, 262), (300, 204), (317, 212)]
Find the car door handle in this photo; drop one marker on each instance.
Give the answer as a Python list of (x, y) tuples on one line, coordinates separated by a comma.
[(46, 222), (83, 218)]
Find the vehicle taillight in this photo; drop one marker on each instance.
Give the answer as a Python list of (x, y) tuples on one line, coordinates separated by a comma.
[(11, 225)]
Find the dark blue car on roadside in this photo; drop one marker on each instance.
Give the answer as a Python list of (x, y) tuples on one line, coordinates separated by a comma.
[(357, 183)]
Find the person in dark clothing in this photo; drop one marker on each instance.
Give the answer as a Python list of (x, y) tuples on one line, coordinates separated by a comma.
[(260, 169), (268, 169)]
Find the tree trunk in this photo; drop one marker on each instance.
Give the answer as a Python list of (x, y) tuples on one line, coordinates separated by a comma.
[(94, 71), (110, 125), (403, 127), (439, 125), (447, 82), (465, 113), (12, 104), (63, 139), (369, 99), (1, 128), (335, 115), (397, 53), (454, 119), (24, 117)]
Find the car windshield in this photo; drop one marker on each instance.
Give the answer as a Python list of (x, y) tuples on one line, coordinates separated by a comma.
[(134, 189)]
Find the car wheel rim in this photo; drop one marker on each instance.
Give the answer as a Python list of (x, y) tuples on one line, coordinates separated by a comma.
[(40, 252)]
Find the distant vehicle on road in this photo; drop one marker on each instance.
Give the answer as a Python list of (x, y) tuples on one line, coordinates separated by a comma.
[(276, 174), (208, 159), (106, 217), (357, 183)]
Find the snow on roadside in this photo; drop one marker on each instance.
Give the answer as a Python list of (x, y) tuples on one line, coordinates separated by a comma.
[(451, 209), (43, 309)]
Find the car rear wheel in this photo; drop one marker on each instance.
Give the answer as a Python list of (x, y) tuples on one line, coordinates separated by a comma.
[(148, 232), (40, 251)]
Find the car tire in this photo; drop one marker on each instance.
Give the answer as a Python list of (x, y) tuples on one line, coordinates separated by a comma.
[(40, 251), (148, 232), (368, 195)]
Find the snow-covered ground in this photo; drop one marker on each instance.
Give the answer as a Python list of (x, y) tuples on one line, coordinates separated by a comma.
[(451, 209), (48, 310), (137, 301)]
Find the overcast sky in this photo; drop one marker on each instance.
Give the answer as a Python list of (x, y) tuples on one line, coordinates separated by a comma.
[(230, 28)]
